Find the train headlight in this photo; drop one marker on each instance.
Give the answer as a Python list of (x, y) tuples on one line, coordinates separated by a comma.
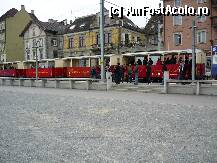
[(158, 74)]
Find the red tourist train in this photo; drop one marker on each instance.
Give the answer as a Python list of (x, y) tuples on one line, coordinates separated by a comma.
[(85, 72)]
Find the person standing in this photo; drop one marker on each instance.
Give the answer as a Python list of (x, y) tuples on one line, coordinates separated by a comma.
[(136, 71), (182, 71), (130, 71), (122, 70), (117, 74), (164, 69), (148, 73), (150, 62)]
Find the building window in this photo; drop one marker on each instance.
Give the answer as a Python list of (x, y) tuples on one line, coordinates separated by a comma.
[(41, 53), (81, 41), (153, 40), (98, 39), (55, 54), (138, 40), (34, 54), (127, 39), (177, 20), (34, 43), (201, 36), (201, 1), (109, 38), (33, 31), (201, 18), (177, 3), (71, 43), (177, 38), (27, 45), (27, 54), (41, 42), (54, 42)]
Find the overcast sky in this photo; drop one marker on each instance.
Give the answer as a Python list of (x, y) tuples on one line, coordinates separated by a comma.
[(70, 9)]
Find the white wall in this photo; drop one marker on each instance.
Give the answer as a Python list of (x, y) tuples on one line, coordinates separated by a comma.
[(29, 37)]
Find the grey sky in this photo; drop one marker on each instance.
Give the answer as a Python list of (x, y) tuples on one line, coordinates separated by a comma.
[(70, 9)]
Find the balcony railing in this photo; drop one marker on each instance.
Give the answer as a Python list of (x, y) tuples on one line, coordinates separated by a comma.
[(214, 3), (214, 21)]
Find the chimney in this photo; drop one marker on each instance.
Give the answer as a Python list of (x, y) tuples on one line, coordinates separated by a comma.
[(22, 7), (32, 12), (65, 22)]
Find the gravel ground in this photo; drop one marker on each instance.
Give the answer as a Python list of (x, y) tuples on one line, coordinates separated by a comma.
[(56, 125)]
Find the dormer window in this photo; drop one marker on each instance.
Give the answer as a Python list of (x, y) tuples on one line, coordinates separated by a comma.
[(82, 25), (54, 42)]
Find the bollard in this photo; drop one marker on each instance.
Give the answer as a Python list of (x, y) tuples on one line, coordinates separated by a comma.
[(3, 81), (72, 83), (88, 84), (32, 82), (198, 88), (21, 82), (166, 84), (57, 84), (43, 84), (12, 82), (108, 80)]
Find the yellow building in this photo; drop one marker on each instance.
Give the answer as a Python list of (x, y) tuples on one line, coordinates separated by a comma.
[(83, 39)]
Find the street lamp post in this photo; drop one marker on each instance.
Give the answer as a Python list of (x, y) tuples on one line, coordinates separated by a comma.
[(102, 39), (193, 49), (38, 45)]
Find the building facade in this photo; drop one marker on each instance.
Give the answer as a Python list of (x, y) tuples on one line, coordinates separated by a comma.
[(44, 39), (83, 36), (8, 14), (14, 43), (154, 34), (178, 29)]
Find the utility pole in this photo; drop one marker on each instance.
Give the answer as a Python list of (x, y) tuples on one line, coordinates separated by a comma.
[(102, 40), (36, 64), (159, 35), (193, 49)]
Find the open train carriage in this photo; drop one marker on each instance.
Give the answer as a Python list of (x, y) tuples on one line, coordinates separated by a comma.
[(173, 68)]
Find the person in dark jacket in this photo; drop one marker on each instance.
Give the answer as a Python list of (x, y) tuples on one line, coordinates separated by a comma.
[(164, 68), (93, 73), (148, 73), (150, 62), (182, 71), (136, 72), (117, 74)]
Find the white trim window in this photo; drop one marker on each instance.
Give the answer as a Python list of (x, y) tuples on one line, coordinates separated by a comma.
[(177, 38), (177, 3), (201, 36), (54, 42), (201, 1), (177, 20), (201, 18)]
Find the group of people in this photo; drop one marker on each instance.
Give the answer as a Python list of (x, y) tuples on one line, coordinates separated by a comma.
[(7, 68), (126, 73)]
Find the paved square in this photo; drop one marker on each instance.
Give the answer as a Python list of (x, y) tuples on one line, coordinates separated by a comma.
[(56, 125)]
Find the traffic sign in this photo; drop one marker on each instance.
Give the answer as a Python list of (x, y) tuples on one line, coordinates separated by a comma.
[(214, 49)]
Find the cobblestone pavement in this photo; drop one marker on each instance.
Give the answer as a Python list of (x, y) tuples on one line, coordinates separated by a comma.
[(57, 125)]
